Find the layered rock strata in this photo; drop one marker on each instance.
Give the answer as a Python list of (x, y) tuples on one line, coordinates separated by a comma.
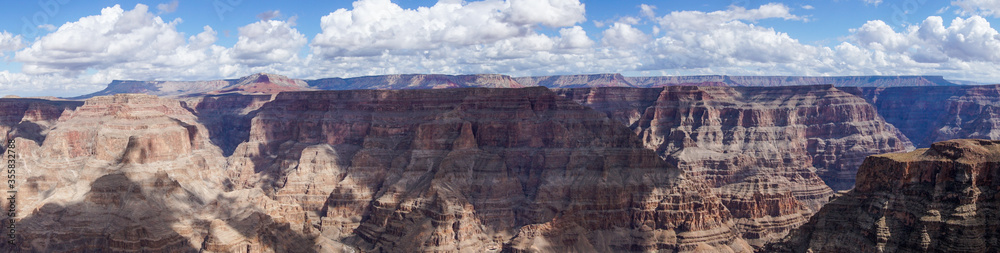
[(939, 199), (765, 151), (474, 170), (931, 114), (30, 118), (136, 173)]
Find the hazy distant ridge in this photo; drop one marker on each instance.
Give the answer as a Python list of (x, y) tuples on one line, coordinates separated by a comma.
[(271, 83)]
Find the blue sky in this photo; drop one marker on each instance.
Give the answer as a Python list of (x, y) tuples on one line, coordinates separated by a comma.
[(69, 47)]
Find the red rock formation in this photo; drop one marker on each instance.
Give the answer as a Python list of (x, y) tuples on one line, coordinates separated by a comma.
[(227, 116), (474, 170), (930, 114), (135, 173), (30, 118), (938, 199), (759, 148)]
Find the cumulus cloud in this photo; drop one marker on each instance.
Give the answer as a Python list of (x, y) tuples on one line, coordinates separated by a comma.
[(167, 7), (373, 27), (10, 42), (268, 15), (971, 39), (648, 11), (491, 36), (873, 2), (978, 7), (133, 44), (623, 35), (552, 13), (700, 39), (695, 20), (115, 36), (267, 42)]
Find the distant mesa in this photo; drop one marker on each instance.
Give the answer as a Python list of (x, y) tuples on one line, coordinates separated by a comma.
[(264, 83)]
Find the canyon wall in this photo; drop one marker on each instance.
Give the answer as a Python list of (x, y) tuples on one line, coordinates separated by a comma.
[(931, 114), (765, 151), (475, 170), (469, 170), (938, 199), (136, 173)]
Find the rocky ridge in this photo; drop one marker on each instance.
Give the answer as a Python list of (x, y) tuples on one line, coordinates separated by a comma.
[(938, 199)]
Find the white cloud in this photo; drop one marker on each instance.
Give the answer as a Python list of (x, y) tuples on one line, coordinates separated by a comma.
[(116, 36), (133, 44), (373, 27), (978, 7), (168, 7), (464, 37), (873, 2), (623, 35), (267, 42), (268, 15), (808, 7), (648, 11), (552, 13), (10, 42), (698, 39), (47, 27), (695, 20)]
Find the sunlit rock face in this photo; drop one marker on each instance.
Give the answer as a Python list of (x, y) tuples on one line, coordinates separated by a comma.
[(765, 151), (938, 199), (135, 173)]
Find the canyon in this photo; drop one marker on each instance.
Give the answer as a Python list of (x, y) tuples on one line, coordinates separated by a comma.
[(938, 199), (473, 163)]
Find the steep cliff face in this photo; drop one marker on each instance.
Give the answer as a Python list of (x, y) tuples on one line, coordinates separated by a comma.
[(763, 150), (930, 114), (30, 118), (474, 170), (227, 116), (938, 199), (134, 173)]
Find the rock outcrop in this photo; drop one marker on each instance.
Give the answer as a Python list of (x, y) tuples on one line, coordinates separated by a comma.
[(474, 170), (939, 199), (763, 150), (136, 173), (931, 114), (30, 118)]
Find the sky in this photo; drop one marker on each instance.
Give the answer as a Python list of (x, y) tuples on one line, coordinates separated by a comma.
[(74, 47)]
